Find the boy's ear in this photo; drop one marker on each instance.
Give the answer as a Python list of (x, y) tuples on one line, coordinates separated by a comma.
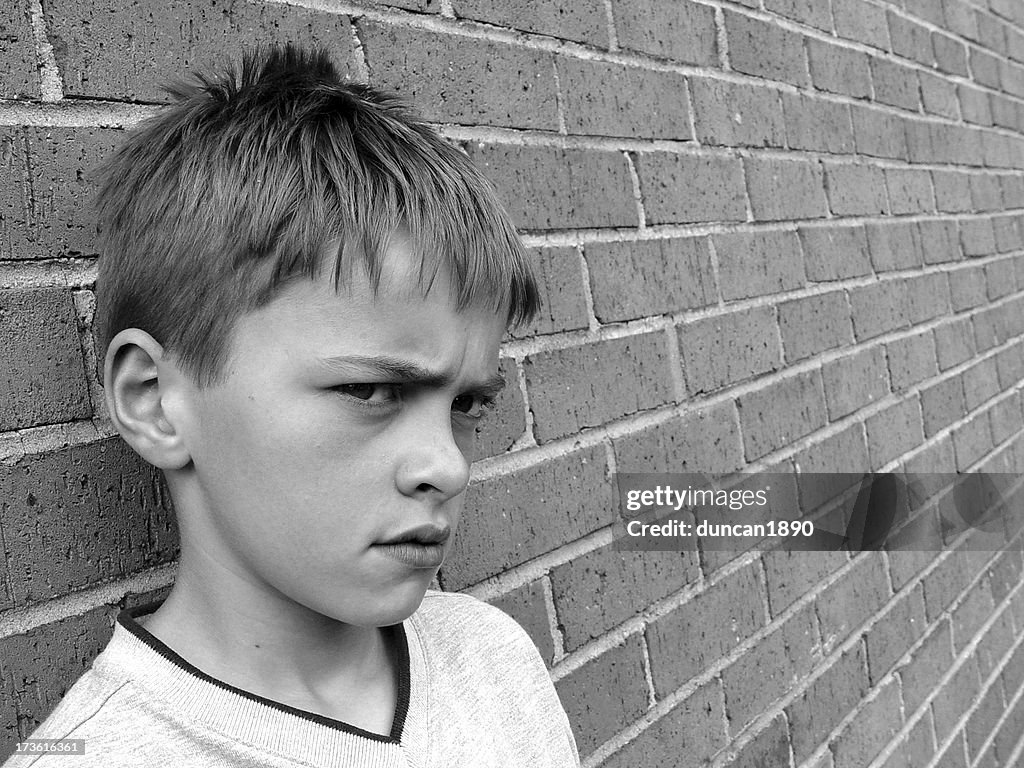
[(146, 394)]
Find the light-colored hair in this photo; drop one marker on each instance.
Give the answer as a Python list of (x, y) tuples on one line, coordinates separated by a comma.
[(240, 186)]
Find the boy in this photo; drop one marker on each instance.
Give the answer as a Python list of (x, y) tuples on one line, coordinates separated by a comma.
[(302, 295)]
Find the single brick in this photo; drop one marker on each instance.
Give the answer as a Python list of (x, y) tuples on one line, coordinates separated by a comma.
[(514, 518), (791, 574), (961, 19), (910, 40), (46, 209), (954, 342), (985, 68), (703, 440), (736, 114), (38, 666), (939, 96), (838, 69), (124, 49), (928, 296), (1005, 419), (878, 308), (42, 371), (714, 622), (972, 441), (975, 105), (927, 665), (895, 84), (957, 696), (854, 381), (605, 694), (894, 634), (977, 237), (19, 75), (1013, 190), (82, 515), (507, 423), (1011, 78), (1000, 278), (969, 288), (818, 710), (528, 607), (940, 241), (830, 467), (952, 191), (682, 189), (579, 387), (758, 263), (765, 50), (695, 727), (969, 615), (879, 134), (649, 277), (910, 190), (678, 31), (563, 307), (785, 189), (814, 14), (911, 360), (605, 99), (814, 324), (950, 54), (942, 404), (462, 80), (992, 33), (981, 383), (769, 669), (780, 413), (894, 432), (722, 350), (861, 21), (583, 22), (1010, 364), (855, 190), (551, 188), (1007, 232), (835, 253), (871, 729), (845, 605), (986, 192), (894, 245), (998, 151), (817, 125), (1004, 112), (599, 590), (981, 723)]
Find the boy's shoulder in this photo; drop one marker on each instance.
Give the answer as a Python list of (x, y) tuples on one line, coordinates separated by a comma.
[(468, 626)]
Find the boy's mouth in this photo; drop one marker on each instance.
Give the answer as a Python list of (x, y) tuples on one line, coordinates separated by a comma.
[(422, 547), (426, 534)]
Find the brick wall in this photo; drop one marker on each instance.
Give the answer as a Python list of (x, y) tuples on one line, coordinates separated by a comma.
[(772, 233)]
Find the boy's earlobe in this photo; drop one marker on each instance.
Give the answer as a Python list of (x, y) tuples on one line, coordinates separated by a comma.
[(145, 393)]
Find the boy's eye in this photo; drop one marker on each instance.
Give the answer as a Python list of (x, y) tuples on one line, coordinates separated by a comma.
[(473, 406), (371, 393)]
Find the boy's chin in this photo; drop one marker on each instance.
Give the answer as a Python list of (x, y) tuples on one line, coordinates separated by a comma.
[(392, 607)]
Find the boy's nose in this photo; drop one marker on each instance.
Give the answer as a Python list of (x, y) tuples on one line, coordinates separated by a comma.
[(432, 462)]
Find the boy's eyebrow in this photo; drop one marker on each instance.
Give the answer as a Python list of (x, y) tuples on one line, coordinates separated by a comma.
[(402, 371)]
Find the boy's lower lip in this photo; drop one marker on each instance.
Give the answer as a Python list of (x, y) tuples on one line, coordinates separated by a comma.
[(414, 554)]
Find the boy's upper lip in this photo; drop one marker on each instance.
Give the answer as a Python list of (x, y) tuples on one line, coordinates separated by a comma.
[(428, 533)]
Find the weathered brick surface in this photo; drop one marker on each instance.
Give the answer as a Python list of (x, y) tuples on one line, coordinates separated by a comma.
[(861, 21), (894, 245), (687, 188), (834, 252), (507, 422), (781, 413), (682, 32), (838, 69), (19, 77), (612, 100), (911, 359), (855, 190), (758, 263), (871, 729), (694, 727), (463, 80), (888, 640), (735, 114), (563, 301), (649, 277), (817, 125), (549, 188), (910, 40), (82, 515), (785, 189), (878, 308), (894, 432), (765, 50), (725, 349), (605, 694), (818, 710), (603, 588), (879, 134), (528, 607), (854, 381), (769, 747), (814, 324), (942, 404), (715, 622), (124, 49), (895, 84), (845, 605), (584, 22), (42, 371), (579, 387)]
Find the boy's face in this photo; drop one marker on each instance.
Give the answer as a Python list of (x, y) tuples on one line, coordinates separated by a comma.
[(344, 423)]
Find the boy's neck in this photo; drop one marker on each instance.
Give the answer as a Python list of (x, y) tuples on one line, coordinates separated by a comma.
[(282, 652)]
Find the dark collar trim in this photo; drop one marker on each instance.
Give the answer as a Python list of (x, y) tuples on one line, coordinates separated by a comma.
[(395, 633)]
